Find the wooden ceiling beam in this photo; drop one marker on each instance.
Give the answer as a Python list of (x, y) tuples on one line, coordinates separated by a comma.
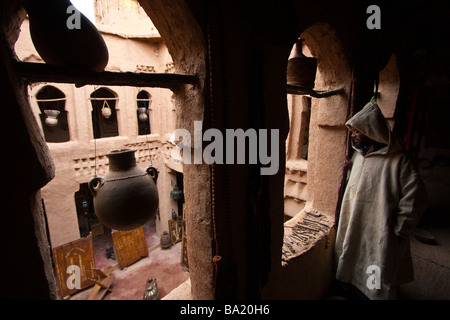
[(41, 72)]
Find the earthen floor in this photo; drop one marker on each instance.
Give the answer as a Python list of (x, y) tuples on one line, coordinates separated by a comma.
[(130, 282)]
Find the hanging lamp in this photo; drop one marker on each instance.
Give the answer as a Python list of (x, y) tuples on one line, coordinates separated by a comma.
[(176, 193)]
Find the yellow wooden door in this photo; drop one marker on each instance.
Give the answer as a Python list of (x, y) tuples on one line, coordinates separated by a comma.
[(130, 246)]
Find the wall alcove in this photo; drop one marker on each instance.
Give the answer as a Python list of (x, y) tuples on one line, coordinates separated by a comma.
[(143, 102), (104, 113), (51, 99)]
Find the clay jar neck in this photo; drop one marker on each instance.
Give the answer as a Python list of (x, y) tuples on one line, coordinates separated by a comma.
[(122, 159)]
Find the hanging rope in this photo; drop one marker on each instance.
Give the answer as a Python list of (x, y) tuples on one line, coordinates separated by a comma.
[(105, 105), (217, 256), (149, 153), (95, 157)]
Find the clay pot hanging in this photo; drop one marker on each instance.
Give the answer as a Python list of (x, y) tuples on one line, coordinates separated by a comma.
[(106, 110), (65, 37), (142, 114), (52, 117), (127, 197), (301, 70)]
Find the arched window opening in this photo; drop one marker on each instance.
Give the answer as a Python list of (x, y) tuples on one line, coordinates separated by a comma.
[(71, 219), (301, 73), (104, 114), (143, 112), (316, 143), (295, 188), (51, 102)]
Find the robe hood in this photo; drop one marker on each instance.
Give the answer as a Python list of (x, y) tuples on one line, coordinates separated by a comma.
[(371, 123)]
